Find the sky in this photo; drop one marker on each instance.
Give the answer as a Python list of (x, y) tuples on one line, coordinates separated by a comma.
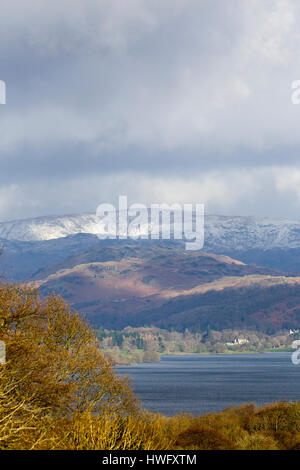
[(167, 101)]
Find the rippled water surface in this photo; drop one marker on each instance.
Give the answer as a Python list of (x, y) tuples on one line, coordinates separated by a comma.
[(202, 383)]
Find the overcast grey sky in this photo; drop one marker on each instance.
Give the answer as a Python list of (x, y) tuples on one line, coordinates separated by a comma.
[(162, 100)]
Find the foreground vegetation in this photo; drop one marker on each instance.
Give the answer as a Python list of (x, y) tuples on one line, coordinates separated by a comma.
[(58, 391), (133, 345)]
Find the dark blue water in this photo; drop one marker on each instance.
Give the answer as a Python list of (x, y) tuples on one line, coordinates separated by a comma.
[(202, 383)]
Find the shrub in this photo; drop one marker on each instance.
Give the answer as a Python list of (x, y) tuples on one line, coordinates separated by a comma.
[(202, 438), (257, 441)]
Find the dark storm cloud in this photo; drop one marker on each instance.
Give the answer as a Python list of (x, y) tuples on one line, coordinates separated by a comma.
[(160, 91)]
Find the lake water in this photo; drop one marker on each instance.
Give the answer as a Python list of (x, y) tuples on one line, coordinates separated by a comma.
[(202, 383)]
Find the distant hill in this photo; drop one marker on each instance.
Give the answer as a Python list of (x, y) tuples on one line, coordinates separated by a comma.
[(32, 244), (170, 287), (246, 276)]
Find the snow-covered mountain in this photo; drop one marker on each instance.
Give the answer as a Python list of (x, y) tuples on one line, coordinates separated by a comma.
[(221, 232), (248, 233), (117, 283), (49, 228)]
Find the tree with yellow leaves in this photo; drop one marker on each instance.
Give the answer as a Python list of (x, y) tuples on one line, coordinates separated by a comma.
[(54, 367)]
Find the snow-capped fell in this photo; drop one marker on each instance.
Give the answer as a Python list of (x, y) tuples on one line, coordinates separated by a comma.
[(221, 232), (48, 228), (246, 233)]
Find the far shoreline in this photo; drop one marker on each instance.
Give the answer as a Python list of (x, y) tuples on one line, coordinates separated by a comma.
[(131, 364)]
